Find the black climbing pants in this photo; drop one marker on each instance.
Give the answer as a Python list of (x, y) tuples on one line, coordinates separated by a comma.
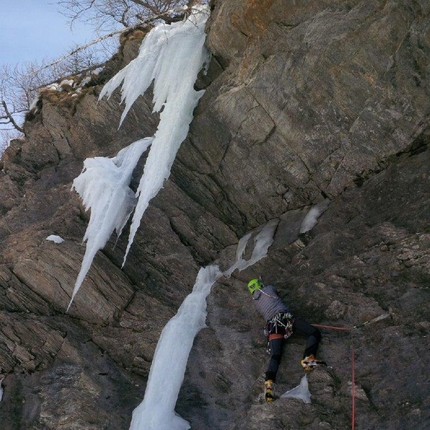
[(301, 328)]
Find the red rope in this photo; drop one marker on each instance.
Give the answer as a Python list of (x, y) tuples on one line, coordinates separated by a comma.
[(332, 327), (353, 368), (353, 387)]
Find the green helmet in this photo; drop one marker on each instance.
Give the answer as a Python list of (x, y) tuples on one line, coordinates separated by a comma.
[(254, 285)]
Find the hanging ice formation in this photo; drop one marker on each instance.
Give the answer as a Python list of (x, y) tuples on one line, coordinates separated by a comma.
[(171, 56), (104, 188), (157, 410), (300, 392), (312, 216)]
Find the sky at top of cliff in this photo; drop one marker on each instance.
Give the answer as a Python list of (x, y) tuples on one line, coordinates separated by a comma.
[(171, 56), (32, 30), (157, 410)]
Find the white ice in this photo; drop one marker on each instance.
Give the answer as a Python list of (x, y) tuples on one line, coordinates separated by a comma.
[(262, 242), (157, 410), (104, 188), (312, 216), (171, 56), (300, 392), (170, 359), (54, 238)]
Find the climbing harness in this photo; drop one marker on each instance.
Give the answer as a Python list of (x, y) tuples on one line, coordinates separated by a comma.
[(279, 327), (281, 323)]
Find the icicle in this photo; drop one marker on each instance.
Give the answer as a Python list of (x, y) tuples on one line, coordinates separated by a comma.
[(300, 392), (103, 187)]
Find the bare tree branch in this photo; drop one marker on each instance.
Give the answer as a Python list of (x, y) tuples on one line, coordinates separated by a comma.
[(11, 118), (145, 21), (19, 85)]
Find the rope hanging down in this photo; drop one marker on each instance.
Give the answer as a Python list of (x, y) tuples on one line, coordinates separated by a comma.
[(353, 390), (351, 330), (352, 365), (353, 385)]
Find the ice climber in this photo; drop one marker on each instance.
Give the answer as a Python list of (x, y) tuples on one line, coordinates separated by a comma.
[(280, 326)]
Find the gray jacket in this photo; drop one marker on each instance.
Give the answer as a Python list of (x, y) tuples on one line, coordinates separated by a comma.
[(267, 302)]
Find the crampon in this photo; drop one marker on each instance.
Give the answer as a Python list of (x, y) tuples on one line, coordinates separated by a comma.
[(310, 363)]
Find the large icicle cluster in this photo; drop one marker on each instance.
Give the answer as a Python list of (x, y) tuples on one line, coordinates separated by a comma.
[(171, 56)]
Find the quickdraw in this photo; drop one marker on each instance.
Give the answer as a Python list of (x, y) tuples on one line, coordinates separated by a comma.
[(281, 324)]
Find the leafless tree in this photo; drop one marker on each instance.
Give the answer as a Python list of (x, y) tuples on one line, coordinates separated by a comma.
[(19, 84), (19, 87), (104, 14), (15, 95)]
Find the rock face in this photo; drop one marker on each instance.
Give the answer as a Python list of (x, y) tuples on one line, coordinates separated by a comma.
[(307, 103)]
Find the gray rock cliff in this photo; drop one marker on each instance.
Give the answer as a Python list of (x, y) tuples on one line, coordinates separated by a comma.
[(307, 103)]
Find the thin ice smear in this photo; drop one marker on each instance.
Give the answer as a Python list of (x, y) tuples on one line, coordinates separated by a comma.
[(171, 56), (157, 410), (54, 238), (262, 240), (311, 218), (300, 392)]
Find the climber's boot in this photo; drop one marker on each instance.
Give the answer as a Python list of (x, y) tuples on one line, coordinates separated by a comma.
[(269, 390)]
